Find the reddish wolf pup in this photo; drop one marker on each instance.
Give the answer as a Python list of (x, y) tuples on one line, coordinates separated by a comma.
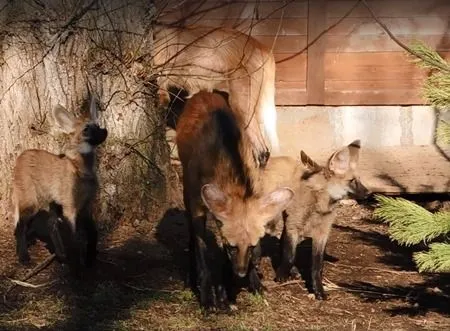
[(42, 179), (218, 186)]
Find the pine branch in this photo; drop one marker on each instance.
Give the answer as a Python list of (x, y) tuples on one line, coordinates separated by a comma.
[(437, 90), (409, 223), (437, 259), (428, 58), (437, 86), (432, 62), (443, 133)]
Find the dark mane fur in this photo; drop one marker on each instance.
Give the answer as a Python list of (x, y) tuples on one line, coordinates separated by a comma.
[(211, 137), (222, 142)]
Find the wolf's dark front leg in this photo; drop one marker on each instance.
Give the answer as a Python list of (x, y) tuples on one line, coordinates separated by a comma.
[(56, 238), (289, 243), (254, 275), (92, 238), (318, 248), (203, 274), (191, 276), (20, 233)]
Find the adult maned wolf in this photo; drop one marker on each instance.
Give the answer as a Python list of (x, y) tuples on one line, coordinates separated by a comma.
[(311, 212), (42, 180), (218, 190), (197, 58)]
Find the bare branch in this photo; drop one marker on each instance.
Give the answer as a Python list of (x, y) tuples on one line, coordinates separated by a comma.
[(436, 64)]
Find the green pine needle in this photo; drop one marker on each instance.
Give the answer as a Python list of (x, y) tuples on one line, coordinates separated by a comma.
[(431, 56), (436, 89), (410, 224), (443, 133), (437, 259)]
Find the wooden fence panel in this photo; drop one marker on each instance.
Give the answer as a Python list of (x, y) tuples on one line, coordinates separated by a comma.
[(354, 63)]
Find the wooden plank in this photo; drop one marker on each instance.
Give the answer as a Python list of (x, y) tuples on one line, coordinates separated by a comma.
[(285, 9), (252, 1), (375, 97), (372, 85), (391, 8), (296, 85), (284, 44), (290, 70), (291, 96), (315, 75), (382, 43), (290, 74), (263, 27), (198, 11), (373, 92), (417, 26), (372, 66), (195, 12)]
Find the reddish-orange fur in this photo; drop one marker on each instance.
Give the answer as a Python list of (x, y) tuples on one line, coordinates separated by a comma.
[(219, 182), (69, 180), (196, 58), (196, 113)]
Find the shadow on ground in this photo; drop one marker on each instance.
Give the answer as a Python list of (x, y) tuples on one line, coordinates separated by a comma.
[(395, 255), (132, 275), (431, 295)]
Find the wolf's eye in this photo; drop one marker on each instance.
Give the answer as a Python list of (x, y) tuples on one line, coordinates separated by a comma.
[(86, 130)]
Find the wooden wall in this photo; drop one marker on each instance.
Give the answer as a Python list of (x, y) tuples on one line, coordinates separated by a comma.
[(363, 65), (354, 63)]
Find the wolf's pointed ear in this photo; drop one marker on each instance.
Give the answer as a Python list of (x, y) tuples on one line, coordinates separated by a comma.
[(216, 201), (273, 204), (308, 162), (345, 159), (64, 119), (93, 109)]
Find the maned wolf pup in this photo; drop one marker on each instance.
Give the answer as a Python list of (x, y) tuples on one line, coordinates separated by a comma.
[(218, 191), (311, 213), (42, 179)]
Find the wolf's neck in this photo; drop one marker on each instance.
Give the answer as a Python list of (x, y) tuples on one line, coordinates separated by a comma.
[(83, 156)]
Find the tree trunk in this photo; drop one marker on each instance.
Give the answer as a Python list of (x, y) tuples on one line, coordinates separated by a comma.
[(50, 52)]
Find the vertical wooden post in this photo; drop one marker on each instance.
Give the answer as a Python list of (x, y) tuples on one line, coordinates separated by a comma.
[(315, 76)]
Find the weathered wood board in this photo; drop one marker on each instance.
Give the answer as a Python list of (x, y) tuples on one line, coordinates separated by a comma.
[(398, 152), (361, 63)]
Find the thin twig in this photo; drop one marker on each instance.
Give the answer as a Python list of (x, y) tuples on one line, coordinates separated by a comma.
[(149, 289), (29, 285), (291, 282), (401, 44), (396, 272), (106, 262), (56, 38), (44, 264), (321, 34), (332, 286), (41, 266)]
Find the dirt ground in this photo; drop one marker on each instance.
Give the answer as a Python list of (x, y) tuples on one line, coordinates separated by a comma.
[(137, 285)]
